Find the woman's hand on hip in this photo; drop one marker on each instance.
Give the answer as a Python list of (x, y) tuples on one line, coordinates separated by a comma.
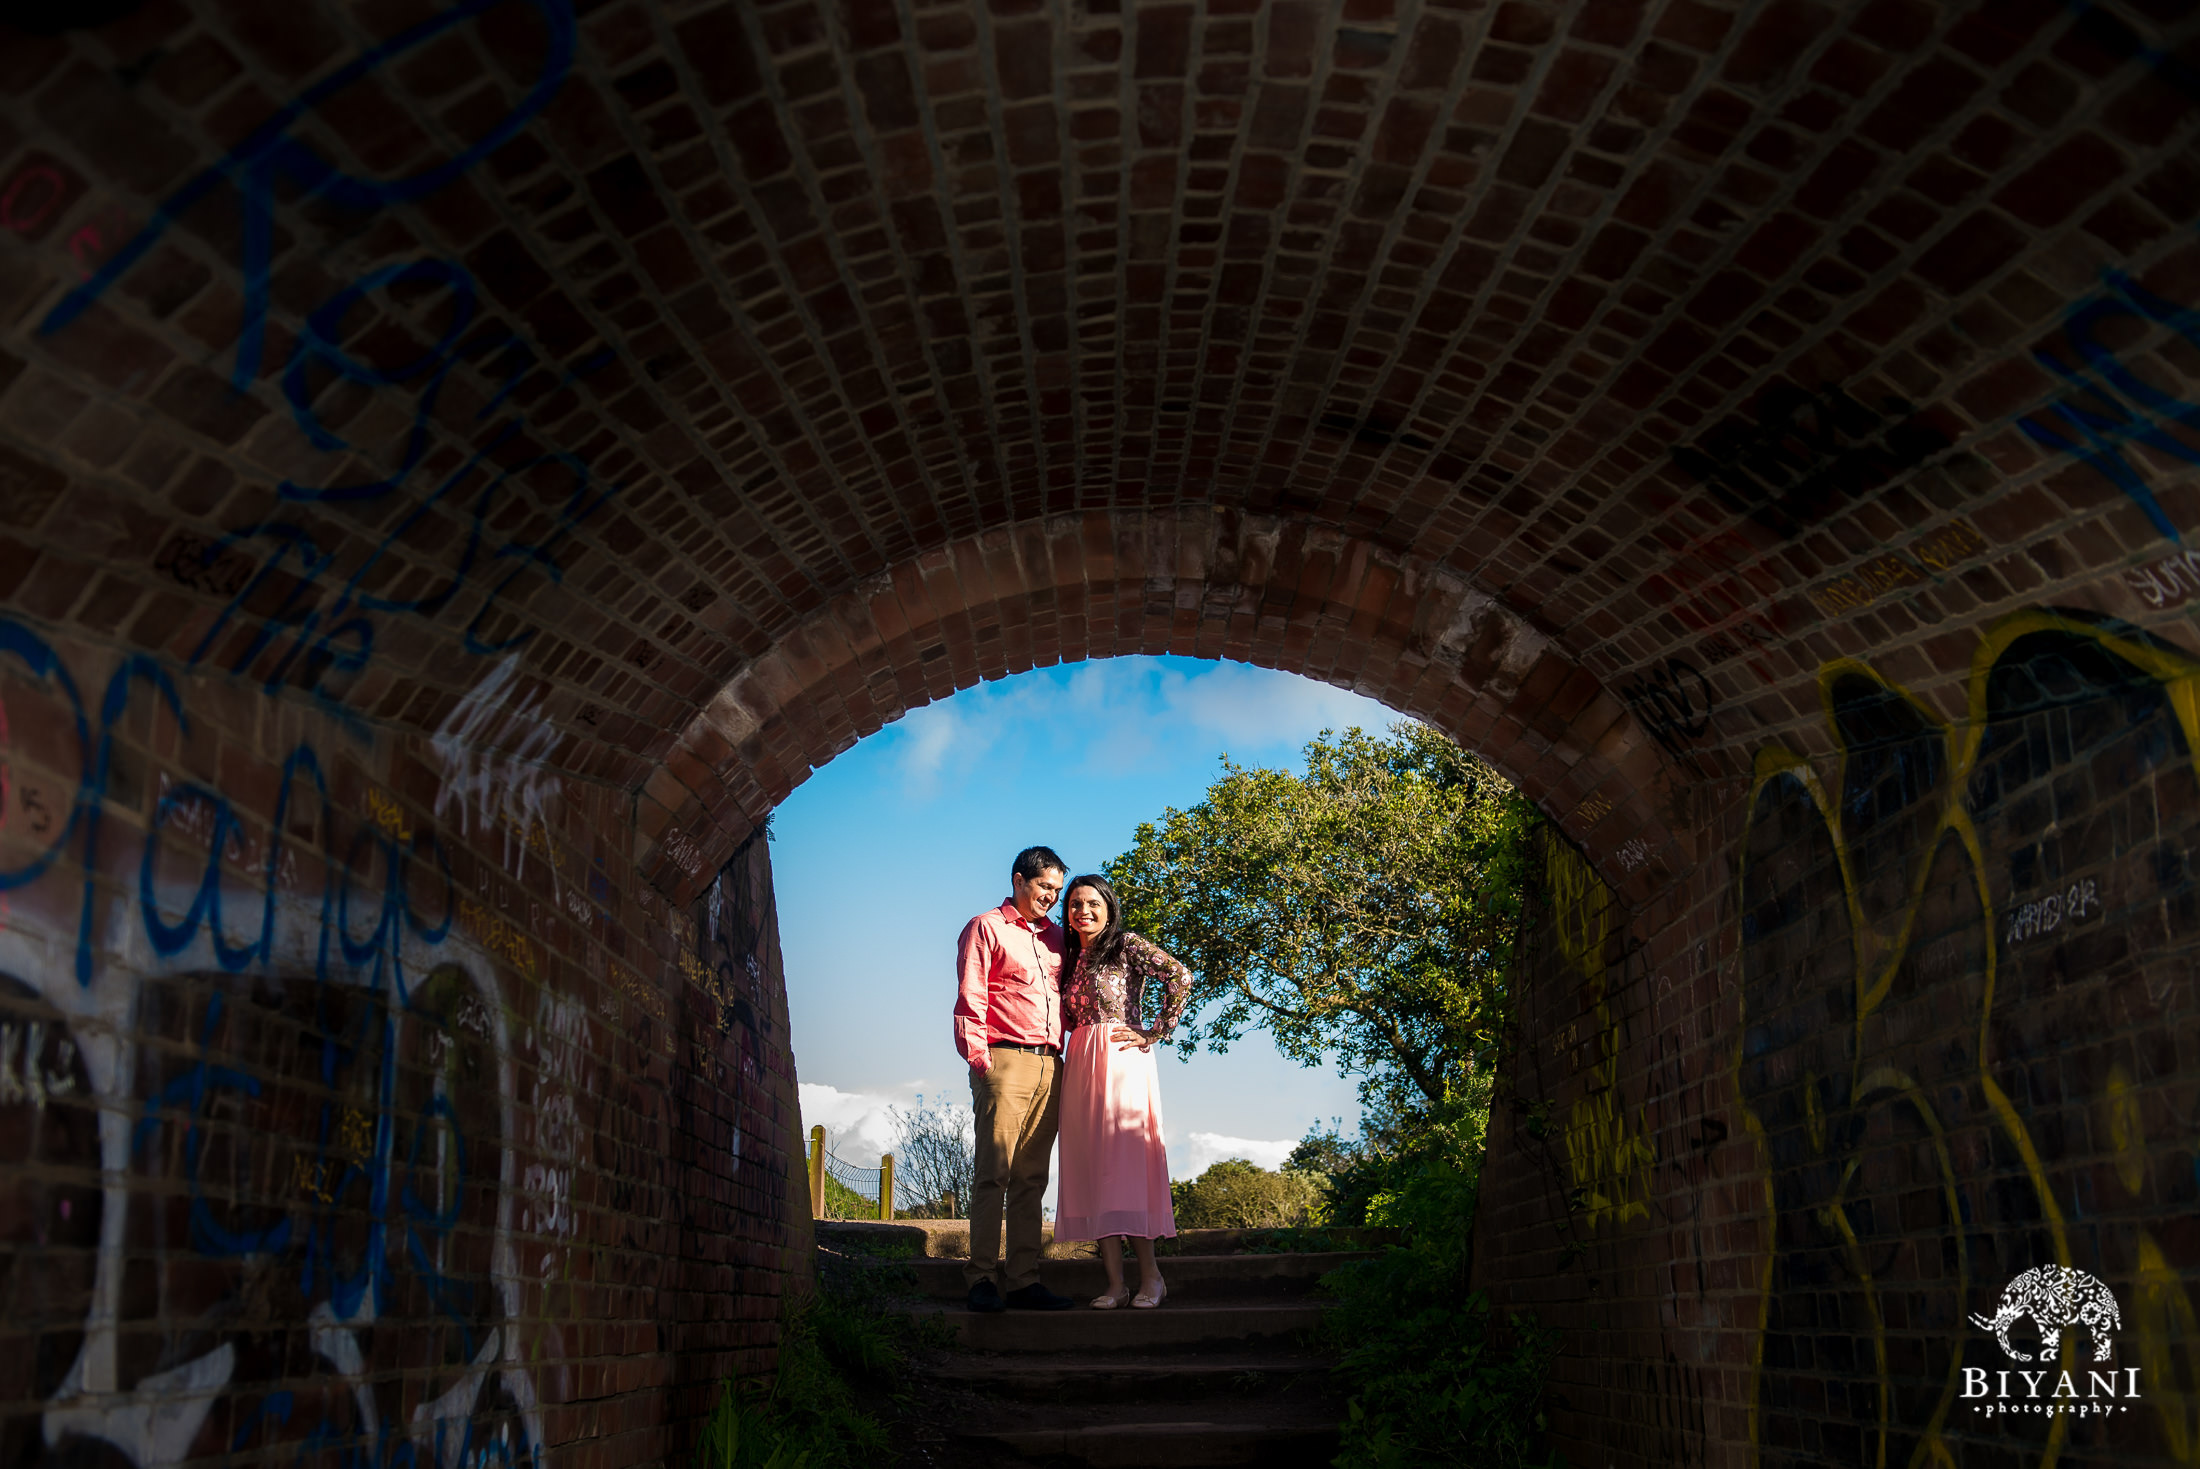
[(1123, 1035)]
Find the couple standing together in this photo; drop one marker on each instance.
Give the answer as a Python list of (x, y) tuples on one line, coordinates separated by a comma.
[(1025, 982)]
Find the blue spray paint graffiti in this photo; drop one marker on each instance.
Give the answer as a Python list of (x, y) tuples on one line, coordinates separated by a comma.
[(380, 1190), (396, 916), (270, 156), (355, 1051), (2097, 434), (339, 639)]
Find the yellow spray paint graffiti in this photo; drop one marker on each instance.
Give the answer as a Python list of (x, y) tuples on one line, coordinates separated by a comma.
[(1607, 1150), (2164, 1317), (1884, 945)]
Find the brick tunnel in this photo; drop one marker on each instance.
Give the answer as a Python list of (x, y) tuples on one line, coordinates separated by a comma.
[(462, 465)]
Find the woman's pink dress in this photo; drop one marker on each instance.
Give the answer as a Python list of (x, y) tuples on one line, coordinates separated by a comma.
[(1115, 1175)]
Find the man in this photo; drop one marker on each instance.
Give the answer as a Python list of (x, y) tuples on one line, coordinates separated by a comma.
[(1008, 1026)]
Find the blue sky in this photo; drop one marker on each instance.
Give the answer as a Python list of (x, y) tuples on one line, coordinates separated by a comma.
[(884, 854)]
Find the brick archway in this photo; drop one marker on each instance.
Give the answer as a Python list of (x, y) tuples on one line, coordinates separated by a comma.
[(462, 463), (1218, 584)]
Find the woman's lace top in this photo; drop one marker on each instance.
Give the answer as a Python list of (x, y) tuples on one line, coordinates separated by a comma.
[(1120, 992)]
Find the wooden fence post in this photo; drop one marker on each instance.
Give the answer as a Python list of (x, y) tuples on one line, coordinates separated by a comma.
[(886, 1187), (817, 1172)]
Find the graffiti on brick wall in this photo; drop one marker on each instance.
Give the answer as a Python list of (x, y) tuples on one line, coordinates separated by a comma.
[(1936, 551), (2111, 406), (285, 1025), (2168, 581), (735, 922), (380, 895), (492, 748), (1608, 1150), (1807, 454), (303, 616), (1921, 933), (1674, 702), (2042, 916), (272, 160), (35, 196), (301, 620)]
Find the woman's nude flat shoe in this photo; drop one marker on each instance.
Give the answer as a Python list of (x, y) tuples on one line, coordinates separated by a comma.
[(1108, 1301), (1151, 1296)]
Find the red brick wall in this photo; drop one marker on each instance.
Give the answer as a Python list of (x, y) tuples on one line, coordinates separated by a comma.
[(354, 1094), (1931, 1023), (508, 447)]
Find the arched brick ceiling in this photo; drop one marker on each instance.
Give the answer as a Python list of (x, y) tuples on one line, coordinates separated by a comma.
[(1679, 330), (1202, 583)]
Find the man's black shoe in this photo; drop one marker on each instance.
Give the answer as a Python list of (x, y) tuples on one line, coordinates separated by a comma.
[(986, 1296), (1036, 1297)]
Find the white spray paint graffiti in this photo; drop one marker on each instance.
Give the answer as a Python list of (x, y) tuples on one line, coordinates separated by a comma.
[(410, 1159), (2168, 581), (560, 1041), (491, 750), (25, 1075), (2035, 919)]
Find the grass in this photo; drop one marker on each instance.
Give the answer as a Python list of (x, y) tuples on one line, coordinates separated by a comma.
[(843, 1356), (1297, 1240), (843, 1202)]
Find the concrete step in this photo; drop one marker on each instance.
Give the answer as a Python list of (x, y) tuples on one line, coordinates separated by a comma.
[(1173, 1324), (1148, 1377), (1285, 1435), (950, 1239), (1190, 1277)]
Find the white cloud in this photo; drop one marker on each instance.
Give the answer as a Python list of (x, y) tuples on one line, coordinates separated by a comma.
[(857, 1127), (929, 736), (1202, 1150), (1255, 708), (1123, 711)]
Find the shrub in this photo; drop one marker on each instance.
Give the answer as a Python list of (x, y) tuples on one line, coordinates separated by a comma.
[(1434, 1379), (1236, 1194), (840, 1342), (1350, 1174), (1365, 1180), (935, 1159), (843, 1202)]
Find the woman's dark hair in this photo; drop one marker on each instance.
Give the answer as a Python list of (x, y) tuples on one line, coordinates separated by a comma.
[(1108, 947)]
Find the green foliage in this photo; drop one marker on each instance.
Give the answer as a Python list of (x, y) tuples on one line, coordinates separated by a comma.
[(1351, 1172), (1434, 1380), (1363, 914), (843, 1202), (1366, 914), (835, 1347), (1436, 1383), (742, 1434), (882, 1246), (1236, 1194), (1385, 1180), (1292, 1241)]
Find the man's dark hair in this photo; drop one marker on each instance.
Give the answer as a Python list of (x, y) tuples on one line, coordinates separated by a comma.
[(1032, 861)]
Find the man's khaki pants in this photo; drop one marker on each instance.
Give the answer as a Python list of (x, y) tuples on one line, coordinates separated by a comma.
[(1017, 1101)]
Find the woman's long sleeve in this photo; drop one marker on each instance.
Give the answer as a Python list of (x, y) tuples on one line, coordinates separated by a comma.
[(1151, 964)]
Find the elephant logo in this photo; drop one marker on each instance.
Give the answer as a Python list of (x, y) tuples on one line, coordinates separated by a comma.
[(2054, 1296)]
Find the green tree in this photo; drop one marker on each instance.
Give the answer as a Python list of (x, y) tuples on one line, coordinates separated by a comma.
[(1364, 913), (1238, 1194)]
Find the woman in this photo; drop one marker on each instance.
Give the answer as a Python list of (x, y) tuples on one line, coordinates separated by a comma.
[(1115, 1176)]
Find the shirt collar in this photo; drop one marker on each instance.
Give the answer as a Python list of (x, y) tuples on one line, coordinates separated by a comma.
[(1014, 915)]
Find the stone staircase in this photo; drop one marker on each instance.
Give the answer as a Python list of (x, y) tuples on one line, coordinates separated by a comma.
[(1226, 1371)]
